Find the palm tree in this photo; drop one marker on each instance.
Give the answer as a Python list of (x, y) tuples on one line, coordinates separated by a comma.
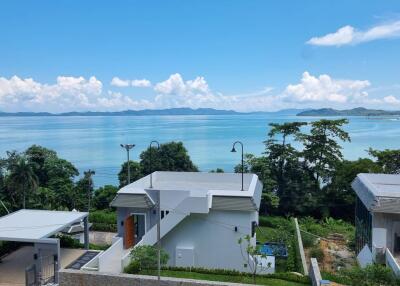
[(22, 177)]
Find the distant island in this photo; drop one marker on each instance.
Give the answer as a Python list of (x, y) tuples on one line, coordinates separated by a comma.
[(359, 111), (146, 112)]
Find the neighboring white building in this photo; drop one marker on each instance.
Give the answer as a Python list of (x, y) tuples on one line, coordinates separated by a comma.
[(203, 217), (378, 219)]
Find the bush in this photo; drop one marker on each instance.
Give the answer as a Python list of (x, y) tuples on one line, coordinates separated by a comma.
[(147, 256), (372, 275), (133, 267), (103, 216), (68, 242), (308, 240), (103, 220), (318, 253), (274, 221)]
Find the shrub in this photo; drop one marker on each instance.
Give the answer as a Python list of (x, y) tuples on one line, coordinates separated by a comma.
[(318, 253), (133, 267), (147, 256), (68, 242), (372, 275), (308, 240), (103, 216)]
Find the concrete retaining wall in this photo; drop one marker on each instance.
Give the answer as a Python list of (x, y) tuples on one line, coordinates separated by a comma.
[(70, 277)]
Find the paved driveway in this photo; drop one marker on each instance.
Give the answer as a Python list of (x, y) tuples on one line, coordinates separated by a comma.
[(12, 267)]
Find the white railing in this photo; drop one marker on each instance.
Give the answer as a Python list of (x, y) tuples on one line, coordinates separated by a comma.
[(110, 260), (92, 264), (392, 263)]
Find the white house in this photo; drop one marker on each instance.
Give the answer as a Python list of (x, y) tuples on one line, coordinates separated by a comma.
[(377, 219), (203, 216)]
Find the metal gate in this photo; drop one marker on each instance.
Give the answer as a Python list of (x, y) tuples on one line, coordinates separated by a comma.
[(43, 272), (48, 269)]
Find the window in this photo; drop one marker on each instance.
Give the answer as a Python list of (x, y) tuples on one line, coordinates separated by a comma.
[(363, 226)]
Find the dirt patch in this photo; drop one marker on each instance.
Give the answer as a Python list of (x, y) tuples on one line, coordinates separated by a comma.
[(336, 255)]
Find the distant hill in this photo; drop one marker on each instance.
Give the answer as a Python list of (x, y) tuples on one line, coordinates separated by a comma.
[(170, 111), (359, 111)]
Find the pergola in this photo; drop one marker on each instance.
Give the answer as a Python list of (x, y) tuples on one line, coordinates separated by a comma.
[(38, 227)]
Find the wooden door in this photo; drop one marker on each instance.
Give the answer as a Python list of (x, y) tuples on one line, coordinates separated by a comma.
[(129, 235)]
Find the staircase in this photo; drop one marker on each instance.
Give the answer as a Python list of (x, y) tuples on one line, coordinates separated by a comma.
[(190, 204)]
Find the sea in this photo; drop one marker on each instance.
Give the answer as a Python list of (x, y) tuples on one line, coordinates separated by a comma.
[(93, 142)]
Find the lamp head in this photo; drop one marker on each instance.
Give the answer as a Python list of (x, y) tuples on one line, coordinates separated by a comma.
[(122, 145), (233, 149)]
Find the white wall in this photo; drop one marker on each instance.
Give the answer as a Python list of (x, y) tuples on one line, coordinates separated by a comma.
[(213, 238), (110, 260)]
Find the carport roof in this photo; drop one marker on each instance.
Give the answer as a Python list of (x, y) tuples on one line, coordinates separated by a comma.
[(34, 225)]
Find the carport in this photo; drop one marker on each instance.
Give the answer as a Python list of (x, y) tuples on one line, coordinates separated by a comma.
[(37, 227)]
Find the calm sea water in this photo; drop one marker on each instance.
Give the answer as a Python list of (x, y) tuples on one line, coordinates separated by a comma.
[(93, 142)]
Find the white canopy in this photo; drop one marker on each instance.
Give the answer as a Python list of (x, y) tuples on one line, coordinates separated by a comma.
[(34, 225)]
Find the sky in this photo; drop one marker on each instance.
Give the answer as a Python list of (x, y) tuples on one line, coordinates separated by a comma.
[(59, 56)]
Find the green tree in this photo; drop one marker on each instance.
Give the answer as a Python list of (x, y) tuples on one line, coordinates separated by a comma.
[(262, 168), (22, 178), (339, 197), (103, 196), (388, 160), (38, 155), (83, 191), (217, 170), (135, 173), (44, 198), (321, 148), (61, 174), (252, 256), (289, 179), (171, 156)]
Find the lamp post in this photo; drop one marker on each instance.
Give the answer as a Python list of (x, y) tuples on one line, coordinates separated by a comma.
[(128, 147), (151, 160), (158, 211), (88, 175), (234, 151)]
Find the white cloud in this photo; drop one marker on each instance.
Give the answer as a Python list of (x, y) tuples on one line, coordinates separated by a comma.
[(67, 91), (391, 99), (79, 93), (141, 83), (348, 35), (325, 89), (116, 81)]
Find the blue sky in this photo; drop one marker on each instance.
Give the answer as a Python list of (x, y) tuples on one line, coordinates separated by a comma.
[(243, 55)]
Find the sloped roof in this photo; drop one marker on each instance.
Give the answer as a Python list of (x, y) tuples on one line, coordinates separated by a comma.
[(33, 225), (378, 192)]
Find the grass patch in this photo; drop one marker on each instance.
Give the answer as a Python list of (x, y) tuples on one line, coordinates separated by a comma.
[(270, 280)]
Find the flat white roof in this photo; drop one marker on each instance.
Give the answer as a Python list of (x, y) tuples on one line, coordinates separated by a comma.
[(224, 184), (34, 225)]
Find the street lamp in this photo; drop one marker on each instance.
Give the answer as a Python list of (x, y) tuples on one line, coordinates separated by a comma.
[(234, 151), (158, 210), (128, 147), (151, 160)]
